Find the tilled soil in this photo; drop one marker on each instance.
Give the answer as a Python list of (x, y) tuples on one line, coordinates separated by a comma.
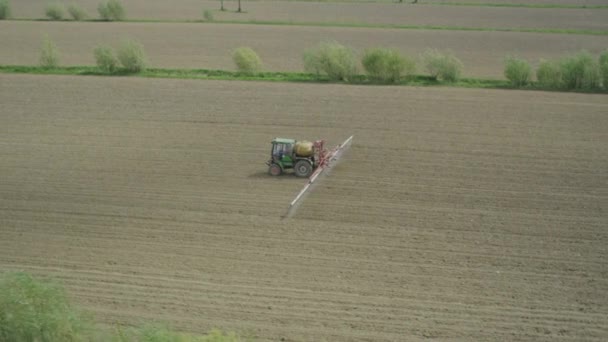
[(210, 46), (457, 214), (382, 12)]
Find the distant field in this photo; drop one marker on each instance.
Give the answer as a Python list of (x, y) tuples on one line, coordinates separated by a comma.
[(362, 13), (210, 45), (458, 214)]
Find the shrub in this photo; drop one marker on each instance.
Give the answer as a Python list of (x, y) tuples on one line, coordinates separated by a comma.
[(112, 10), (132, 56), (5, 9), (76, 12), (31, 310), (246, 60), (333, 59), (208, 15), (442, 66), (54, 11), (105, 60), (49, 55), (580, 71), (517, 71), (549, 75), (387, 65), (604, 68)]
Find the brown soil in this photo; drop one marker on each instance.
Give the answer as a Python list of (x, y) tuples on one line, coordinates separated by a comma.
[(458, 214), (210, 46), (364, 13)]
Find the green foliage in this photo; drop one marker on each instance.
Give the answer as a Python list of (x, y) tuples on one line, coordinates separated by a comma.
[(247, 61), (31, 310), (112, 10), (442, 66), (517, 71), (132, 56), (549, 75), (49, 55), (39, 311), (580, 71), (76, 12), (332, 59), (162, 333), (5, 9), (387, 65), (218, 336), (208, 15), (604, 68), (54, 11), (105, 60)]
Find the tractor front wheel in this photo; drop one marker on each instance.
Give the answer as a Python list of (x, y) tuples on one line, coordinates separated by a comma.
[(303, 168), (275, 169)]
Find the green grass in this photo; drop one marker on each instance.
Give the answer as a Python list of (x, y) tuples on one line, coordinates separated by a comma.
[(295, 77), (362, 25), (33, 309), (421, 27), (516, 5), (468, 4)]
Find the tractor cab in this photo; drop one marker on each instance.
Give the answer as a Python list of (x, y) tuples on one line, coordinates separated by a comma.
[(282, 152)]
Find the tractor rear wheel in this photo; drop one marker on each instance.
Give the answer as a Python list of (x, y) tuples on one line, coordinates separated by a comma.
[(303, 168), (275, 169)]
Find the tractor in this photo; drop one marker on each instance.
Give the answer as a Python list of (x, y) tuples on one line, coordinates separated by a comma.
[(301, 156)]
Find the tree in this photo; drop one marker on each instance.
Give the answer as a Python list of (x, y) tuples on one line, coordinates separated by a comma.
[(222, 5), (239, 10)]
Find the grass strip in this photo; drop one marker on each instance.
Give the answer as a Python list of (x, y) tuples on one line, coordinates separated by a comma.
[(419, 27), (515, 5), (353, 25), (294, 77)]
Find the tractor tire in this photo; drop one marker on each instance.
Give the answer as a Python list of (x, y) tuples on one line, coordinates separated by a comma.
[(303, 168), (275, 170)]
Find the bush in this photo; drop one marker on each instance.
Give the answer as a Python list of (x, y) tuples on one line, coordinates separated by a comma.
[(387, 65), (208, 15), (549, 75), (246, 60), (604, 68), (332, 59), (112, 10), (517, 71), (580, 71), (31, 310), (76, 12), (105, 60), (49, 55), (442, 66), (5, 9), (54, 11), (132, 56)]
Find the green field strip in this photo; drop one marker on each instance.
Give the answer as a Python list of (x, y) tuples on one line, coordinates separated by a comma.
[(291, 77), (345, 25)]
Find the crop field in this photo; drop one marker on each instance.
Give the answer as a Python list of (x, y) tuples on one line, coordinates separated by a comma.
[(457, 214), (209, 46), (384, 12)]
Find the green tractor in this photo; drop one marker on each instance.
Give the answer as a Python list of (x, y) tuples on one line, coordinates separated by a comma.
[(303, 157)]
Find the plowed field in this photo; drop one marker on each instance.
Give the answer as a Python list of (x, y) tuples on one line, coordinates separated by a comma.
[(384, 12), (280, 47), (458, 214)]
